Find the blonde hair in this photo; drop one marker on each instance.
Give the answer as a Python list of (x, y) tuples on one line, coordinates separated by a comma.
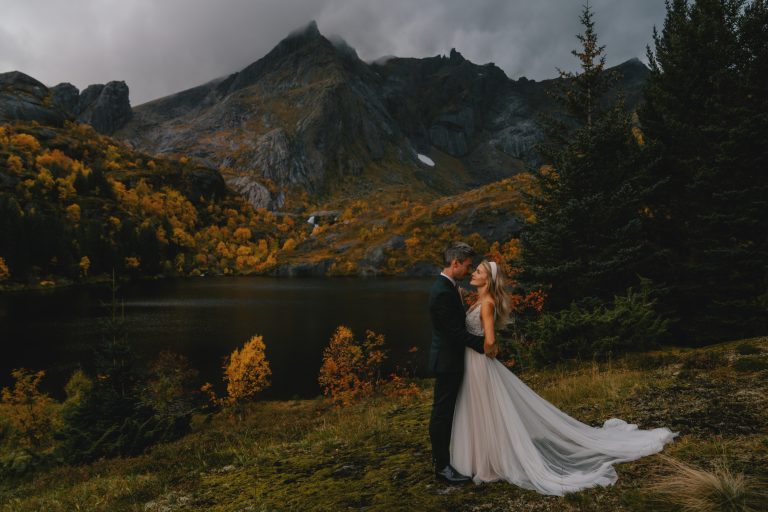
[(497, 283)]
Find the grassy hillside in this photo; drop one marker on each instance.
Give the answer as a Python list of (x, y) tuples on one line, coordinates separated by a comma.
[(75, 204), (301, 455), (399, 232)]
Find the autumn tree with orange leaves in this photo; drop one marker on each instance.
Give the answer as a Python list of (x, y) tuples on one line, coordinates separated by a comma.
[(351, 368), (246, 372), (29, 411)]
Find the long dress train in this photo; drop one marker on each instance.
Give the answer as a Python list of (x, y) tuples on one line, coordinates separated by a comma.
[(503, 430)]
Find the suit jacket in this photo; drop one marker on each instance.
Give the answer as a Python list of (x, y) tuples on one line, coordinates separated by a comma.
[(449, 333)]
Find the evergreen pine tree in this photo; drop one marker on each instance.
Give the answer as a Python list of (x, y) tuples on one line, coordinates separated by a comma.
[(587, 243), (113, 419), (705, 112)]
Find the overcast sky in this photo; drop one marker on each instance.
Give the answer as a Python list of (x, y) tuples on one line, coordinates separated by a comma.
[(163, 46)]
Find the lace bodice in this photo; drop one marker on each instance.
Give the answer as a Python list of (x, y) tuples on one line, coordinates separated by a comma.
[(473, 322)]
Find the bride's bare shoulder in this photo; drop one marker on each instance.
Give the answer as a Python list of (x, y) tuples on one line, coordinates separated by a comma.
[(488, 306)]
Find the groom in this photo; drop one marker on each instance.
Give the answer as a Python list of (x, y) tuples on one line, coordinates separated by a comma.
[(446, 355)]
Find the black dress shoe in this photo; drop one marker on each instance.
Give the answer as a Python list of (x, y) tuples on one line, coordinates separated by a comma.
[(449, 475)]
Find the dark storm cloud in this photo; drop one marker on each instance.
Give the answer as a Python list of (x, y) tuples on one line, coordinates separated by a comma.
[(529, 38), (162, 46)]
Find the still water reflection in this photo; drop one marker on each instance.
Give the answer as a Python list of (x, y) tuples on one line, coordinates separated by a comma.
[(206, 318)]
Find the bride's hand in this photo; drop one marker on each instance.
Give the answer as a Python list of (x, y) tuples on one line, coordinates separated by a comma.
[(490, 349)]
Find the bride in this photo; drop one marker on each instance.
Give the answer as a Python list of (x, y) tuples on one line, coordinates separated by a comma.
[(502, 430)]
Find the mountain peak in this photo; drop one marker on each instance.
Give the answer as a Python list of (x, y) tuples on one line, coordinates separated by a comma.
[(455, 56), (634, 62), (342, 46), (633, 69), (309, 30)]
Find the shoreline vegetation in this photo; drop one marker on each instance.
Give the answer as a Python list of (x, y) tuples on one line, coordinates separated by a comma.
[(373, 454)]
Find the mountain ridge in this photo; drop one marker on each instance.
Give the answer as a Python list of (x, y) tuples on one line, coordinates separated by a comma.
[(325, 116), (311, 116), (104, 106)]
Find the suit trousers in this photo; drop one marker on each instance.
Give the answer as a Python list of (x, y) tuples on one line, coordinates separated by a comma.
[(441, 422)]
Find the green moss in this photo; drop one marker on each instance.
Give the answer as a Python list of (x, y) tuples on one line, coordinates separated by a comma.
[(751, 364), (746, 349)]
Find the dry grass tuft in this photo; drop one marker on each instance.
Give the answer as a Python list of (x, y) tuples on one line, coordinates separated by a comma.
[(592, 384), (692, 489)]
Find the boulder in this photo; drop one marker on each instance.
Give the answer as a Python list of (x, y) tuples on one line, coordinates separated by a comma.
[(22, 98), (67, 97), (105, 107), (256, 193)]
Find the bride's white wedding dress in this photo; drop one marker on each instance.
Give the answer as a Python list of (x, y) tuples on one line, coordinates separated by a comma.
[(502, 430)]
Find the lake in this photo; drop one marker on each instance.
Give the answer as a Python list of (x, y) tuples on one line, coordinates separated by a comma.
[(206, 318)]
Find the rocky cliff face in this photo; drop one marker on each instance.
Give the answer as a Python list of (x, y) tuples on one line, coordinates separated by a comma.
[(475, 113), (105, 107), (25, 99), (306, 115), (22, 98)]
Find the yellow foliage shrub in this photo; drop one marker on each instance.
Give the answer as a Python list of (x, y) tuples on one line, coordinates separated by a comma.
[(400, 387), (29, 412), (66, 186), (243, 250), (223, 250), (351, 369), (15, 164), (289, 245), (25, 142), (182, 238), (161, 235), (85, 264), (638, 134), (180, 263), (45, 178), (73, 212), (112, 153), (412, 243), (246, 371), (242, 234), (246, 263), (77, 388), (55, 161)]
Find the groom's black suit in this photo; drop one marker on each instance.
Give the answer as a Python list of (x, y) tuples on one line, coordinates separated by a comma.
[(446, 361)]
